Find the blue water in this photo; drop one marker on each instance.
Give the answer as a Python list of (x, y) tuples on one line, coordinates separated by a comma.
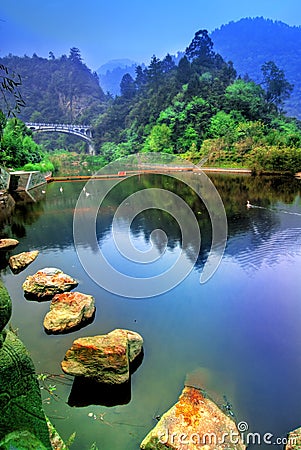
[(239, 333)]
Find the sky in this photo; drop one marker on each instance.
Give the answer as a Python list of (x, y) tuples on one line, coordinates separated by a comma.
[(116, 29)]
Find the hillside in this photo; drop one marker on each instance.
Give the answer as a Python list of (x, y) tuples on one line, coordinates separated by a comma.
[(56, 89), (249, 43)]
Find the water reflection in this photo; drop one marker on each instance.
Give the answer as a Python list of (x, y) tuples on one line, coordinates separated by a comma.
[(253, 235), (87, 392)]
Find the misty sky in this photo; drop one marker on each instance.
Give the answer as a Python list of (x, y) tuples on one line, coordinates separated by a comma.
[(115, 29)]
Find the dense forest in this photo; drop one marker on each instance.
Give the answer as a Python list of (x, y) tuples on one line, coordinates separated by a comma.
[(198, 108), (201, 109), (248, 43)]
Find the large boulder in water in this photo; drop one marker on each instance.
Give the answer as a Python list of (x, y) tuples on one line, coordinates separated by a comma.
[(104, 358), (46, 283), (194, 422), (68, 311), (20, 261)]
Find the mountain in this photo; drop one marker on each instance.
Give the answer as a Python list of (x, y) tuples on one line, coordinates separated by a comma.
[(111, 73), (251, 42), (122, 63)]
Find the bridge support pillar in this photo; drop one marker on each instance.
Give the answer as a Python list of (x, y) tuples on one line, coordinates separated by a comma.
[(91, 149)]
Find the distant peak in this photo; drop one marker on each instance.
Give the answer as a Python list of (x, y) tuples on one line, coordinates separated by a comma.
[(114, 63)]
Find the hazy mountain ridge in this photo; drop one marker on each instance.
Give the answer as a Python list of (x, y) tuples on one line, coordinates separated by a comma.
[(111, 73), (249, 43)]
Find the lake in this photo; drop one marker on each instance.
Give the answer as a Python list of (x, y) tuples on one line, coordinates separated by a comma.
[(238, 334)]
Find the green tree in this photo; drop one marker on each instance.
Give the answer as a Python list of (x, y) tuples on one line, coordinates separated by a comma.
[(183, 71), (167, 64), (141, 77), (154, 73), (159, 140), (127, 87), (201, 48), (2, 123), (277, 88), (75, 55), (223, 125), (108, 150), (248, 98)]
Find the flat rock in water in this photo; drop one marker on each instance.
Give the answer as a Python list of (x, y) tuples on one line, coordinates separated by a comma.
[(69, 310), (194, 422), (20, 261), (8, 244), (104, 358), (47, 282)]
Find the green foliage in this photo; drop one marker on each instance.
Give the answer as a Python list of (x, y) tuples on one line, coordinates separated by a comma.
[(93, 446), (17, 146), (44, 166), (248, 98), (2, 123), (159, 140), (273, 158), (10, 82), (223, 125), (278, 89), (70, 440)]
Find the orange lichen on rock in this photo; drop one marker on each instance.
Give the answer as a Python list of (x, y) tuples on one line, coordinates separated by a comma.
[(189, 405), (47, 282), (103, 358), (194, 423), (68, 311)]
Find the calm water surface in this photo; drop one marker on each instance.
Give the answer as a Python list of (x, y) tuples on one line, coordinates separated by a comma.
[(239, 333)]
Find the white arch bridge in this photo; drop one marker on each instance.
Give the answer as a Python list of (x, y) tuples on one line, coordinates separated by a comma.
[(82, 131)]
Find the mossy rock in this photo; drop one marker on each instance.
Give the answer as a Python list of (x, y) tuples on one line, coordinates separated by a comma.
[(5, 306), (20, 397), (21, 440)]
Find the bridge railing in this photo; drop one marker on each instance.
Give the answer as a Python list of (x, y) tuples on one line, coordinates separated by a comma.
[(56, 125)]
